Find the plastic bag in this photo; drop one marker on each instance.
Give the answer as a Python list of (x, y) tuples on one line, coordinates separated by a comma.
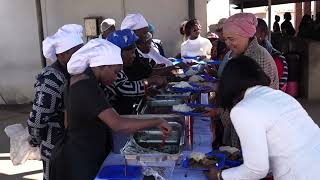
[(148, 171), (20, 149)]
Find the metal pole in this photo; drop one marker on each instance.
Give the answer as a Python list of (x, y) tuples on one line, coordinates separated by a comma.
[(191, 9), (241, 6), (229, 9), (40, 31), (269, 19), (124, 13)]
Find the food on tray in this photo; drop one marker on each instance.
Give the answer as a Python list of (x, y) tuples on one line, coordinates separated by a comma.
[(197, 156), (231, 153), (186, 108), (229, 149), (196, 78), (200, 160), (181, 76), (182, 84), (177, 78), (200, 109), (181, 108), (191, 72)]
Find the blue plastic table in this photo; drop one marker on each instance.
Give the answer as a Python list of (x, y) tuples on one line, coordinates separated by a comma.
[(201, 143)]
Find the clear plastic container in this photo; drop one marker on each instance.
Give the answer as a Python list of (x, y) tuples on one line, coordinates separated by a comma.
[(120, 172), (163, 168)]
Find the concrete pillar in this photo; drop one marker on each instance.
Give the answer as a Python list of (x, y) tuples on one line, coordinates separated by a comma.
[(298, 14), (307, 8), (317, 6), (312, 73)]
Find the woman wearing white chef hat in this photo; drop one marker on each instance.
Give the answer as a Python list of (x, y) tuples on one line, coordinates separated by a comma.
[(46, 121), (139, 25), (106, 27), (89, 112)]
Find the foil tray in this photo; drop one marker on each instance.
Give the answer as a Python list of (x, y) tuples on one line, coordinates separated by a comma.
[(164, 102), (160, 106), (145, 145)]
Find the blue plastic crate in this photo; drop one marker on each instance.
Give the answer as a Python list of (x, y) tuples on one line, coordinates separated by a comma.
[(117, 172)]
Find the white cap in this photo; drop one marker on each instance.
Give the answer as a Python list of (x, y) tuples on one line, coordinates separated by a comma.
[(97, 52), (67, 37), (134, 22), (106, 24)]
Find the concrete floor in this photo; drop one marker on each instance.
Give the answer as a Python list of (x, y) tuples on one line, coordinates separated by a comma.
[(12, 114)]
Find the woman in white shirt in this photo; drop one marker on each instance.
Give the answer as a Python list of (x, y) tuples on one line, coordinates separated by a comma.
[(195, 45), (277, 135)]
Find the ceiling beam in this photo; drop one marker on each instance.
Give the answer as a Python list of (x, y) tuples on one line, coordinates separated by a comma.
[(257, 3)]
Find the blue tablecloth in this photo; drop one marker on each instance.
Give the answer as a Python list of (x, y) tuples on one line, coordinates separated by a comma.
[(202, 139)]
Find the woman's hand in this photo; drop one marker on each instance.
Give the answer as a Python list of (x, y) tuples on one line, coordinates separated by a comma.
[(212, 113), (182, 65), (211, 70), (213, 174), (159, 66), (204, 57), (165, 127), (160, 81)]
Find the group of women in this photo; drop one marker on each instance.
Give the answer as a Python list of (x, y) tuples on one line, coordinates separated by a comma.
[(79, 96)]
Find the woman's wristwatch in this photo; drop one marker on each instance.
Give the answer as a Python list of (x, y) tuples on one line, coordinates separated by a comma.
[(219, 175)]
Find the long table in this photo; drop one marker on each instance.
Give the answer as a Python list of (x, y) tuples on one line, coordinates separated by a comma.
[(202, 139)]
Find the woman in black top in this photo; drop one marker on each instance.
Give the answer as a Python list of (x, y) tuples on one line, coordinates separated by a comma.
[(123, 93), (83, 150)]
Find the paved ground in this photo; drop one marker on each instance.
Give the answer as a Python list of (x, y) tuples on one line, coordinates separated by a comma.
[(33, 169)]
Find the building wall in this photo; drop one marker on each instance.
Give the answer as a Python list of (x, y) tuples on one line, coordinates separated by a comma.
[(201, 15), (216, 10), (19, 46), (166, 15), (59, 12), (19, 50)]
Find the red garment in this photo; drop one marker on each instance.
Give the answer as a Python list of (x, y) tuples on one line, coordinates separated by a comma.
[(282, 71), (279, 65)]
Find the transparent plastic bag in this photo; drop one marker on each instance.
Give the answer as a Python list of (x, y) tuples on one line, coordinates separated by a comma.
[(20, 149), (153, 163), (159, 171)]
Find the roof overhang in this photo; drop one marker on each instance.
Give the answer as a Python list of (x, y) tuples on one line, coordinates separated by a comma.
[(257, 3)]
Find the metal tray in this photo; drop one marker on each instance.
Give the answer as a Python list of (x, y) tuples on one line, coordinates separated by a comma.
[(164, 102), (160, 106), (151, 138), (148, 142), (168, 95), (156, 110)]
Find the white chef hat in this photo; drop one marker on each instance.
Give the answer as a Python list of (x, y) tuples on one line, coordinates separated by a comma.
[(106, 24), (134, 22), (97, 52), (67, 37)]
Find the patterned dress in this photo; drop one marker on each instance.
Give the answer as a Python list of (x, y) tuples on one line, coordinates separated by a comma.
[(123, 93), (282, 65), (46, 121), (122, 86), (128, 89)]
